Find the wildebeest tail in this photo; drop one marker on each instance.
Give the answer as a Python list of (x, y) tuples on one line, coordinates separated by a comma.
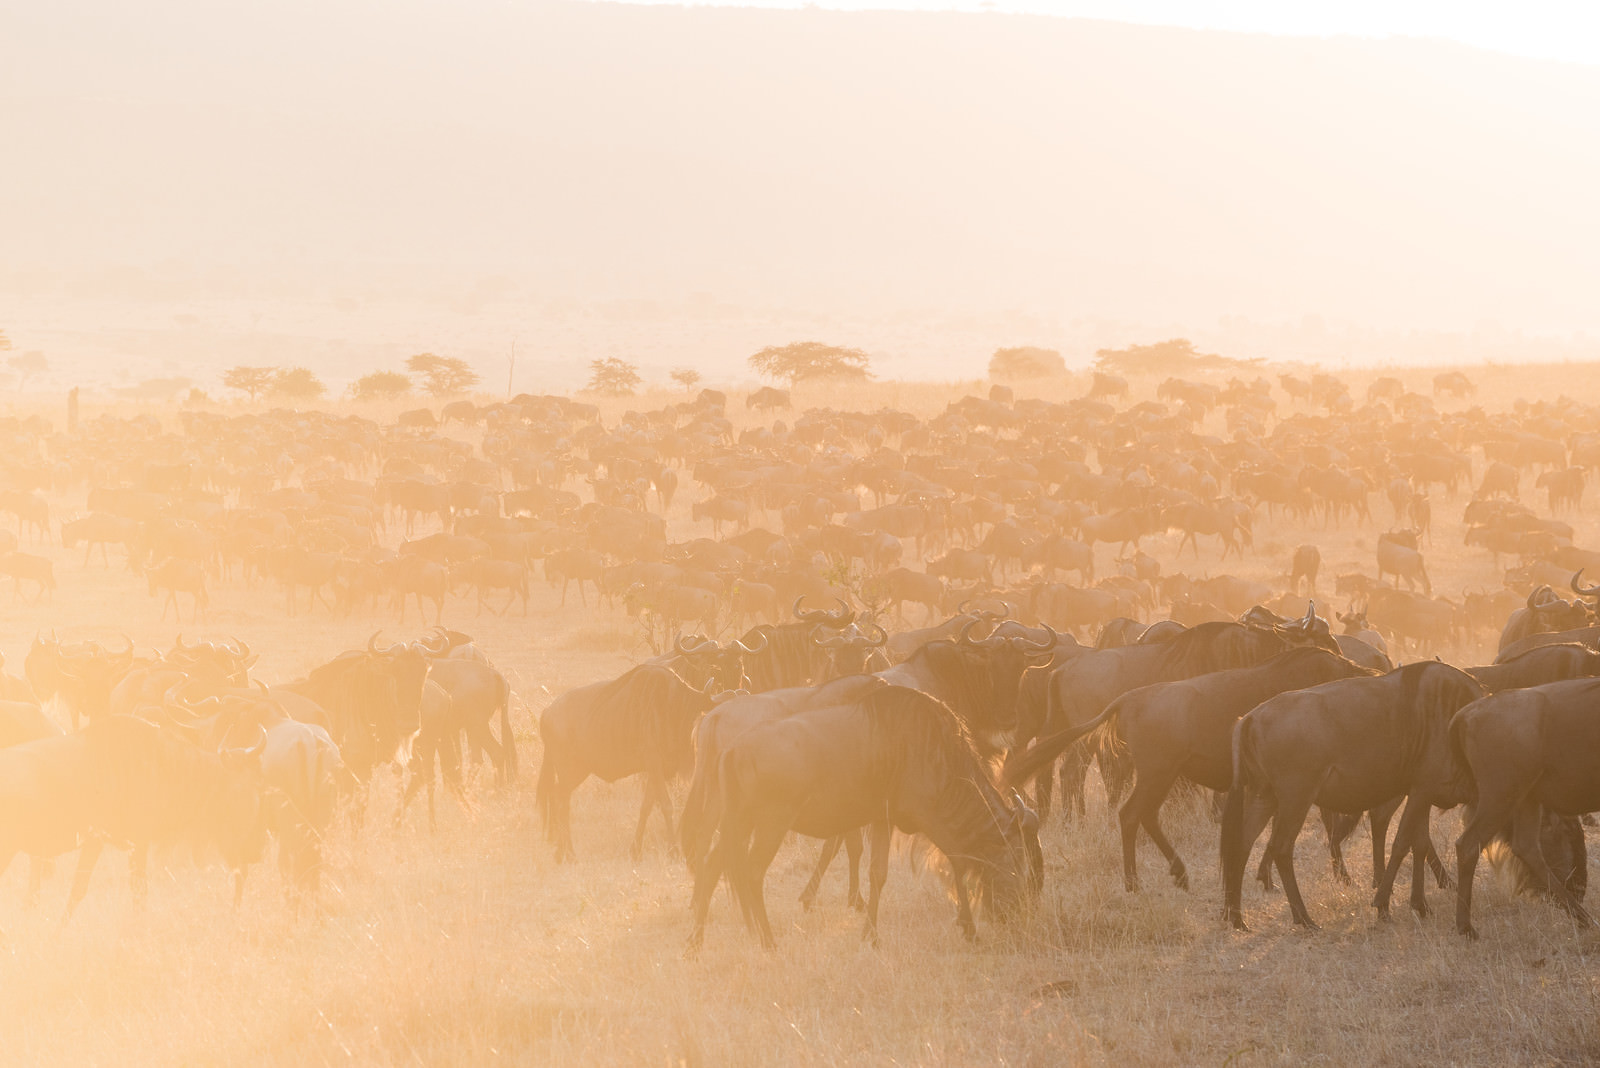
[(545, 791), (701, 808), (1235, 851), (508, 741), (1021, 766)]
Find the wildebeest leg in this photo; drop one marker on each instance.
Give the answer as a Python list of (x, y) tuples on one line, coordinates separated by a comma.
[(1409, 838), (830, 849), (706, 878), (1145, 808), (1338, 826), (958, 872), (1074, 775), (877, 874), (1046, 791), (653, 787), (1483, 820), (87, 856), (764, 845), (852, 852), (1291, 816), (1243, 816)]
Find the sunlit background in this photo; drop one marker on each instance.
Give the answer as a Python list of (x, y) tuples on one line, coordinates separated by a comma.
[(345, 184)]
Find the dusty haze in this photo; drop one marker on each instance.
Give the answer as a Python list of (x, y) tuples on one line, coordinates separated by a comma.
[(186, 188)]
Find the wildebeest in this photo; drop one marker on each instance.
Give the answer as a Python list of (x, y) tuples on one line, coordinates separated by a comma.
[(1307, 561), (1527, 752), (1349, 746), (640, 723), (1398, 556), (175, 577), (372, 699), (1083, 686), (25, 567), (1537, 666), (128, 781), (1185, 729), (1545, 613), (767, 398), (896, 756)]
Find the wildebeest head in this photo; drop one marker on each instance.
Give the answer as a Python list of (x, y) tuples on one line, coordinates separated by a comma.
[(708, 660), (837, 619), (1310, 629), (213, 664), (849, 647), (1354, 622)]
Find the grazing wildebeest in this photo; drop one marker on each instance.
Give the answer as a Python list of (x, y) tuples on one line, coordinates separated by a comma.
[(894, 757), (1185, 729), (372, 700), (300, 767), (128, 781), (1350, 746), (641, 723), (1528, 752)]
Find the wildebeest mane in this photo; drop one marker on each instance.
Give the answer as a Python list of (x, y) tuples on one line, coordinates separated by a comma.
[(921, 736)]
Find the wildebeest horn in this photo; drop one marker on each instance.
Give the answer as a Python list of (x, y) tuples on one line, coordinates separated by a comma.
[(241, 650), (1580, 589), (436, 646), (1048, 643), (961, 609), (965, 637), (1533, 593), (882, 638), (833, 641), (1311, 612), (182, 647), (743, 648), (372, 643), (683, 648)]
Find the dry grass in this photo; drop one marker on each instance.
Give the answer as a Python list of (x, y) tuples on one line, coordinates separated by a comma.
[(469, 946)]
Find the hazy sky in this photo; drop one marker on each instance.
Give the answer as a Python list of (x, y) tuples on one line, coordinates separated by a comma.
[(1543, 29), (186, 183)]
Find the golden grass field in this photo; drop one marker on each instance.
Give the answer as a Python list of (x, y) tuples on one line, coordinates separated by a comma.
[(469, 946)]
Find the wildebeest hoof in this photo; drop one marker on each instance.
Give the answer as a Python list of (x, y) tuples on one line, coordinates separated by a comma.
[(858, 903), (1470, 931), (1180, 879), (807, 900)]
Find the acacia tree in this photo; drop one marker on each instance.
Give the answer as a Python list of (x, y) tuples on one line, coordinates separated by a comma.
[(28, 365), (380, 385), (687, 377), (1026, 361), (613, 377), (297, 383), (802, 360), (249, 380), (442, 376)]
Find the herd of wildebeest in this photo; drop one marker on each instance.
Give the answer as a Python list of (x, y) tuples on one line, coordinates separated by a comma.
[(788, 684)]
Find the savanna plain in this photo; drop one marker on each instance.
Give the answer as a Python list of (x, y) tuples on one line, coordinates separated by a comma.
[(469, 944)]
